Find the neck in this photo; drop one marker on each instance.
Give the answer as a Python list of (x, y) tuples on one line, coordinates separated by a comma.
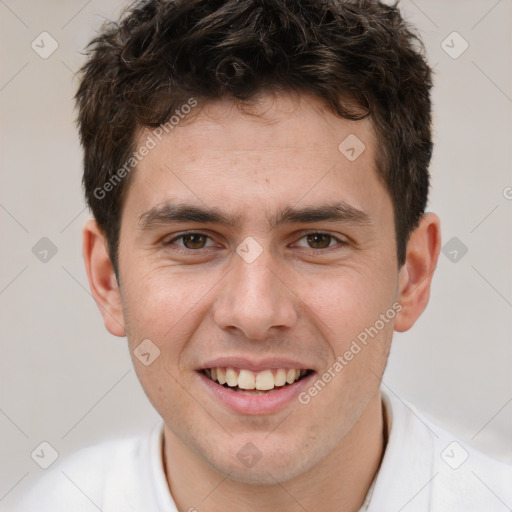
[(339, 482)]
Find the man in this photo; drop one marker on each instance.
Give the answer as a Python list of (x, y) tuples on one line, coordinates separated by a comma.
[(258, 176)]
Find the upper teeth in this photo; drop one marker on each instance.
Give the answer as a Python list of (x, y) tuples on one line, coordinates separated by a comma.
[(246, 379)]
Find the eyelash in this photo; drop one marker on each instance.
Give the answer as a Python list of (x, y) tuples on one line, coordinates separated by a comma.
[(340, 243), (181, 236)]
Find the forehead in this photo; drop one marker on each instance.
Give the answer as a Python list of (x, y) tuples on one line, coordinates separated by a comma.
[(265, 156), (272, 122)]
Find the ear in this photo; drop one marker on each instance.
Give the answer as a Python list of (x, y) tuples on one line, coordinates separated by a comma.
[(102, 279), (416, 274)]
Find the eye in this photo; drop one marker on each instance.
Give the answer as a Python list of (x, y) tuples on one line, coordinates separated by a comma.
[(319, 241), (191, 241)]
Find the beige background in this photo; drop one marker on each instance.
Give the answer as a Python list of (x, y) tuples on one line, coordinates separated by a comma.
[(66, 381)]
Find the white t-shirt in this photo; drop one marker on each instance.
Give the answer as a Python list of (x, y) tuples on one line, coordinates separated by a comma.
[(424, 469)]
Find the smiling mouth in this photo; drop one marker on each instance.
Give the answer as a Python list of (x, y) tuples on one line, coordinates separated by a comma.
[(255, 383)]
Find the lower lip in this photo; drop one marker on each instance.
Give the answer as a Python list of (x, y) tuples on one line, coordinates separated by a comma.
[(256, 404)]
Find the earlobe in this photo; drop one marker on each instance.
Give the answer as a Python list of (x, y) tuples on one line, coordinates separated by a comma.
[(417, 272), (102, 279)]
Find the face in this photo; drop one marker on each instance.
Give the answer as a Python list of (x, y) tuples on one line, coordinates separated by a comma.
[(253, 249)]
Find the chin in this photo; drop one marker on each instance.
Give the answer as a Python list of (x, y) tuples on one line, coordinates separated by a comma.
[(264, 462), (267, 471)]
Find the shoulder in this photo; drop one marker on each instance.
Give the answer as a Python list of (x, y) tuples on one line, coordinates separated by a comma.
[(467, 479), (426, 468), (120, 474)]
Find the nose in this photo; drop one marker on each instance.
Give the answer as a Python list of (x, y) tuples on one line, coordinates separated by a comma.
[(255, 300)]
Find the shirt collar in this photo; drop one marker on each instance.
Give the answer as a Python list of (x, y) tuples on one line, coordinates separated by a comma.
[(406, 471)]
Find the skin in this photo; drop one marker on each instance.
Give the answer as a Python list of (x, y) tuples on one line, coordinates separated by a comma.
[(292, 301)]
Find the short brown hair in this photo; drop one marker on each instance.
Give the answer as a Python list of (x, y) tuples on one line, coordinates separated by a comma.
[(164, 52)]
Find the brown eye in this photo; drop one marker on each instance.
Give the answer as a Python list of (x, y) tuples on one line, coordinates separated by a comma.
[(194, 240), (319, 240)]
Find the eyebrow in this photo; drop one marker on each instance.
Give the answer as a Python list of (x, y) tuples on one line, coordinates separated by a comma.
[(169, 213), (339, 212)]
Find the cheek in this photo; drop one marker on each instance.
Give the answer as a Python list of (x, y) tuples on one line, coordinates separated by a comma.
[(163, 302), (355, 314), (165, 387), (349, 302)]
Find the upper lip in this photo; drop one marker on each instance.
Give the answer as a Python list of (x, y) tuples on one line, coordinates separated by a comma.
[(253, 364)]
